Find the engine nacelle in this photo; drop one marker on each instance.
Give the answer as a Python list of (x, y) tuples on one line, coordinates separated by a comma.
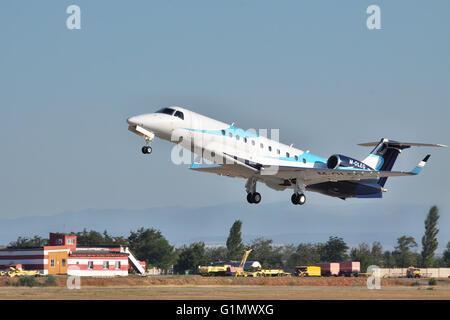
[(338, 160)]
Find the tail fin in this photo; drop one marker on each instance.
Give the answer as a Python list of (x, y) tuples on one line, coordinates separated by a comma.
[(385, 153)]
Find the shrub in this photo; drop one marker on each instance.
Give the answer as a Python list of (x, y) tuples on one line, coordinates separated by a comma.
[(432, 282), (50, 281), (27, 281), (415, 283)]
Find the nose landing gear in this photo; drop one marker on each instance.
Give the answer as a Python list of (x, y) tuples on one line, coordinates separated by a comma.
[(146, 149)]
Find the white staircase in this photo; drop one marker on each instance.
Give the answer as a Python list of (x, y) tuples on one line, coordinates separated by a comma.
[(137, 266)]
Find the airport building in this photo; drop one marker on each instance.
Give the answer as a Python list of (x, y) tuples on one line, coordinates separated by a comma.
[(63, 256)]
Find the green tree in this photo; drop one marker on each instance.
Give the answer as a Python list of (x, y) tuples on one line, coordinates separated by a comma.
[(264, 252), (429, 240), (151, 246), (367, 256), (23, 242), (334, 250), (404, 256), (235, 246), (306, 254), (190, 257), (446, 255), (215, 254)]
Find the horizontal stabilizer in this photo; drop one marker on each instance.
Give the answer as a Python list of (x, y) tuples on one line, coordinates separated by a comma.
[(402, 144)]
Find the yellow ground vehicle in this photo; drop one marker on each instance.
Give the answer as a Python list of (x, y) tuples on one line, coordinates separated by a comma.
[(216, 269), (413, 272), (307, 271), (274, 273), (239, 271), (17, 272)]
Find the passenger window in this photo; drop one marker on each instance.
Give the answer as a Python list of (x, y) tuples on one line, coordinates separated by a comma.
[(179, 114)]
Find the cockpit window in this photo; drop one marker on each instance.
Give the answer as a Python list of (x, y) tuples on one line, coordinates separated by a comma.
[(166, 111), (179, 114)]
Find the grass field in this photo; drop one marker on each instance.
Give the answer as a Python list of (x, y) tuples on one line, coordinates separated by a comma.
[(196, 287)]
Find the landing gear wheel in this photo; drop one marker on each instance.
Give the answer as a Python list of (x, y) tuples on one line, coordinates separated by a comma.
[(302, 199), (298, 198), (253, 197), (256, 197), (146, 149), (295, 198)]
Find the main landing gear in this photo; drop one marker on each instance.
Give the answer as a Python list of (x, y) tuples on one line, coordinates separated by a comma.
[(252, 195), (298, 198)]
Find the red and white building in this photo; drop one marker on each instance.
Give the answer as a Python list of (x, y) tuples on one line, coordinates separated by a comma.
[(63, 256)]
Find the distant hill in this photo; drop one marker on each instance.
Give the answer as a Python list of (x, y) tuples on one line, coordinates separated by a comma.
[(282, 222)]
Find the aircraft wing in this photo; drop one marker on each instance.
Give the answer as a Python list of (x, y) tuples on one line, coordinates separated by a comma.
[(234, 167), (317, 175)]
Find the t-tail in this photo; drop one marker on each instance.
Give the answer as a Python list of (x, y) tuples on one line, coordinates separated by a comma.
[(385, 153)]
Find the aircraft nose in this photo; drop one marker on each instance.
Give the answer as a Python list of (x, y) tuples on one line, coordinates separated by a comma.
[(132, 120)]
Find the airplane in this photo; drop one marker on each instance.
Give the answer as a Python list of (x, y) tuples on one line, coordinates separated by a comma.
[(235, 152)]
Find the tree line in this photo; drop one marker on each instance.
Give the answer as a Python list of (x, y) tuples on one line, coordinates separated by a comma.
[(150, 245)]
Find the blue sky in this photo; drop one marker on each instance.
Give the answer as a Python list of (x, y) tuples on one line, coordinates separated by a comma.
[(310, 68)]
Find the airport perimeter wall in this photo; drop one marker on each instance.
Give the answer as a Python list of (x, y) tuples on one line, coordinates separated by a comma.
[(426, 272)]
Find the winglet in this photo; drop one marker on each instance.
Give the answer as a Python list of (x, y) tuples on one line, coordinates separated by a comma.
[(420, 166)]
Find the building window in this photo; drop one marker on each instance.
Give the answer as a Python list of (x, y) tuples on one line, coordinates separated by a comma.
[(59, 241), (63, 262), (90, 264), (52, 263), (105, 264), (117, 265), (70, 241)]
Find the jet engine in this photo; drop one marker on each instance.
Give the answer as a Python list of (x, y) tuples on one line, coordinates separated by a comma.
[(339, 160)]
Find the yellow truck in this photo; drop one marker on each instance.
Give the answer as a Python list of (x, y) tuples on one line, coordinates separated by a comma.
[(214, 270), (307, 271), (413, 272)]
